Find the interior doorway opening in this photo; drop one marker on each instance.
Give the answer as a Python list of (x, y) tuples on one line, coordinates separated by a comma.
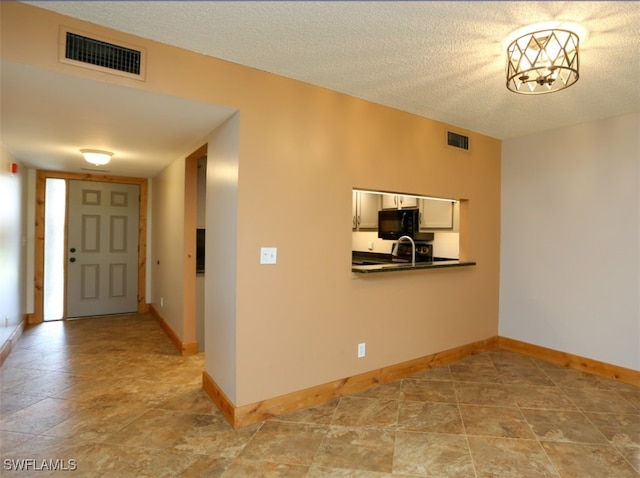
[(54, 248)]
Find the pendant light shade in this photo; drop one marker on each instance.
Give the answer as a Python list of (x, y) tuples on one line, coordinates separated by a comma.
[(543, 62)]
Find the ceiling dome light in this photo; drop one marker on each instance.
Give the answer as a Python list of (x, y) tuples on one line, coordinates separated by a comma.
[(96, 156), (543, 62)]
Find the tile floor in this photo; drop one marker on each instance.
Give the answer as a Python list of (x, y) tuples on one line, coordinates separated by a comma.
[(110, 397)]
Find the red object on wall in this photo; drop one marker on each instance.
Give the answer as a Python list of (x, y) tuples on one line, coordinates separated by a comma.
[(13, 168)]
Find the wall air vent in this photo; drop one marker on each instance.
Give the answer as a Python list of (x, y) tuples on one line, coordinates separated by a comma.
[(82, 50), (457, 140)]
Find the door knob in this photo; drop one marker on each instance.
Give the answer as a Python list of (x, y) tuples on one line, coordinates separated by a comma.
[(72, 259), (73, 249)]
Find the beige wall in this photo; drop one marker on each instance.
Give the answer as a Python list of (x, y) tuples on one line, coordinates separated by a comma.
[(299, 322), (221, 278), (578, 207), (300, 151), (167, 245), (13, 240)]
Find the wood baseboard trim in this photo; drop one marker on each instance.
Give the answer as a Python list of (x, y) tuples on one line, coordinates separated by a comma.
[(189, 348), (216, 394), (11, 342), (185, 348), (591, 366), (291, 402)]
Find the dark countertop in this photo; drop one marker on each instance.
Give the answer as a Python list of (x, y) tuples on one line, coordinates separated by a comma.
[(367, 263), (397, 267)]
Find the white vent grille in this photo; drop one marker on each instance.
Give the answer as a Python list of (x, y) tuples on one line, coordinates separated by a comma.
[(101, 54)]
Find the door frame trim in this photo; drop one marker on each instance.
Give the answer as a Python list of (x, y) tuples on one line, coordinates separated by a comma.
[(41, 176)]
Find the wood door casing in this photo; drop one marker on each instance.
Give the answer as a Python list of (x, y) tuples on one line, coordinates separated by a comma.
[(37, 315)]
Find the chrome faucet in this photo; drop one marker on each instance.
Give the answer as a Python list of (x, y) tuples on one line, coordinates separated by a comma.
[(413, 249)]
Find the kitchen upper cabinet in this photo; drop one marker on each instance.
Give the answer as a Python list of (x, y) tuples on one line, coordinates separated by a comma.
[(364, 210), (436, 214), (396, 201)]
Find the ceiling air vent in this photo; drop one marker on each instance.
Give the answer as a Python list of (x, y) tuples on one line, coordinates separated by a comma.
[(457, 140), (96, 53)]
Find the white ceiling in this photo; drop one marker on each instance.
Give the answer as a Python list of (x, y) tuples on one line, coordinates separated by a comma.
[(56, 115), (441, 60)]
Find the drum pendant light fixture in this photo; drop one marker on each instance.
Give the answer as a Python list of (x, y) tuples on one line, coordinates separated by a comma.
[(543, 62)]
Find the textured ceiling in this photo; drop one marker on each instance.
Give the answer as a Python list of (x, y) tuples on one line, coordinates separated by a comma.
[(441, 60)]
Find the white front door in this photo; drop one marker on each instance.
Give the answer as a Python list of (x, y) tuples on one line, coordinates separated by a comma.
[(102, 248)]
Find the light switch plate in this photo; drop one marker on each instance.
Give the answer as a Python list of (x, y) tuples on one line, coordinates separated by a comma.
[(268, 255)]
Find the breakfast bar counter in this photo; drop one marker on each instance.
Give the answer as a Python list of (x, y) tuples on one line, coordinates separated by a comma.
[(367, 263), (406, 266)]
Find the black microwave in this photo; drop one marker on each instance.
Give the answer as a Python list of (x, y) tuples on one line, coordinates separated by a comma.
[(395, 223)]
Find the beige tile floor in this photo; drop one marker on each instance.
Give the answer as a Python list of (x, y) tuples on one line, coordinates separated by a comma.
[(111, 397)]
